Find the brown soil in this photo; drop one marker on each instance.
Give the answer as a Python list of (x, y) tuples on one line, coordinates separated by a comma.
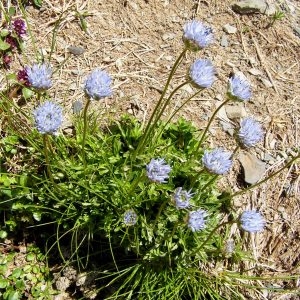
[(137, 43)]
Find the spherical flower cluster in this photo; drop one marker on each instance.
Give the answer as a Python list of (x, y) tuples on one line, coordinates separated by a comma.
[(202, 73), (19, 27), (97, 85), (182, 198), (130, 217), (48, 117), (239, 88), (22, 77), (197, 35), (250, 132), (158, 170), (11, 41), (197, 220), (217, 161), (252, 221), (39, 76)]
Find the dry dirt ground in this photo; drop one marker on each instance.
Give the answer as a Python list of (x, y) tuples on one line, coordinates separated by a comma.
[(137, 43)]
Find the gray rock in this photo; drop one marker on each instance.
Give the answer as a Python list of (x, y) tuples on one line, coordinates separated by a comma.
[(267, 83), (229, 29), (224, 41), (255, 71), (76, 50), (254, 168), (235, 111), (297, 31), (77, 107), (254, 6)]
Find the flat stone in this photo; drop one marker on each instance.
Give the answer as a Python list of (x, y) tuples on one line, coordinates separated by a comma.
[(254, 6), (224, 41), (235, 111), (77, 107), (297, 31), (168, 36), (229, 29), (76, 50), (255, 71), (266, 82), (254, 168)]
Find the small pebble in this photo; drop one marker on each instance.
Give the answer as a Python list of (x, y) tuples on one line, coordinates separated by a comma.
[(229, 29), (76, 50), (224, 41)]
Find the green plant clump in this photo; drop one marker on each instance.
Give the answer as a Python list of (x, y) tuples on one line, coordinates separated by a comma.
[(24, 274)]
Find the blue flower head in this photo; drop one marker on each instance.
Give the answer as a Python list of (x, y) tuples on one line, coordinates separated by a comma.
[(182, 198), (197, 35), (158, 170), (197, 220), (239, 88), (48, 117), (250, 132), (130, 217), (39, 76), (202, 73), (217, 161), (98, 85), (252, 221)]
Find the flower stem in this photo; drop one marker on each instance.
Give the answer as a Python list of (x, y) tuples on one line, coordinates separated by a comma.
[(159, 103), (210, 235), (46, 142), (213, 179), (174, 113), (209, 123), (168, 100), (85, 130)]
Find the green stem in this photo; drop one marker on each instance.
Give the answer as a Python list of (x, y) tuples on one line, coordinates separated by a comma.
[(169, 99), (174, 113), (213, 179), (159, 213), (45, 142), (210, 235), (194, 179), (84, 130), (209, 123), (235, 151), (159, 103), (266, 179)]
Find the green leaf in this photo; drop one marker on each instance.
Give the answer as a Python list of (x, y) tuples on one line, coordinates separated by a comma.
[(30, 257), (27, 93), (14, 295), (16, 273), (4, 46), (4, 32), (3, 234), (37, 216), (3, 283), (12, 11), (20, 284), (38, 3)]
